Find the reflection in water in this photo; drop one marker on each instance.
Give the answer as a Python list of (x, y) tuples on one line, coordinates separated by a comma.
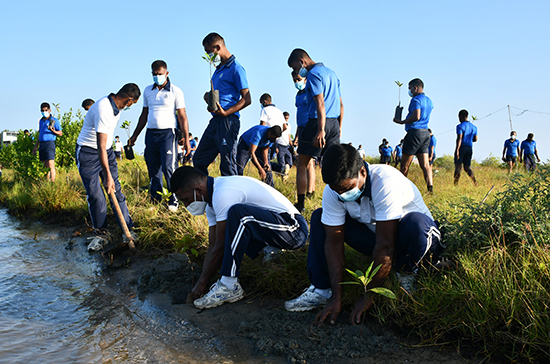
[(56, 308)]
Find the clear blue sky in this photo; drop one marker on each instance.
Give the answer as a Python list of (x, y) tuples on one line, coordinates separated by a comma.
[(477, 55)]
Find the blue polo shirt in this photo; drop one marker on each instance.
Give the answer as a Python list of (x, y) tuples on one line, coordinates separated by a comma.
[(512, 147), (45, 135), (386, 151), (422, 102), (192, 143), (399, 150), (323, 80), (528, 146), (468, 131), (302, 112), (229, 79), (256, 135), (433, 143)]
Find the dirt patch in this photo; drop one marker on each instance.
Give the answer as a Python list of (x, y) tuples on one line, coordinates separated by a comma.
[(259, 329)]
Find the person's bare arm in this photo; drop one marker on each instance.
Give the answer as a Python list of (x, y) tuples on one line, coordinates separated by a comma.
[(184, 127), (458, 145), (108, 181), (252, 150), (414, 116), (341, 117), (141, 124), (319, 140)]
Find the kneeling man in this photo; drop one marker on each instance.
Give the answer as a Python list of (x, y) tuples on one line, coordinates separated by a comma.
[(244, 216), (375, 210)]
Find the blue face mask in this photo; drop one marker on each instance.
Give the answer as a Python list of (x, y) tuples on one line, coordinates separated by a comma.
[(410, 93), (302, 72), (353, 194), (159, 79), (300, 85)]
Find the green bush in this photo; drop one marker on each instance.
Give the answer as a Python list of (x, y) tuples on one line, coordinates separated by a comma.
[(66, 144), (18, 156), (445, 162)]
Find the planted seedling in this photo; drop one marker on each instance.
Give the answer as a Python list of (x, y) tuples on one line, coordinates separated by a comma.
[(213, 95)]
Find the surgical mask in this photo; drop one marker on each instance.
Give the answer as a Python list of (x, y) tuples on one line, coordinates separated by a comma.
[(512, 137), (353, 194), (410, 93), (159, 79), (217, 59), (197, 208), (46, 114), (300, 85), (303, 72), (127, 108)]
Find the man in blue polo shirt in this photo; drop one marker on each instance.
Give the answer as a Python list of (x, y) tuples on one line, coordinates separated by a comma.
[(431, 151), (244, 216), (466, 135), (220, 136), (49, 129), (398, 153), (511, 151), (386, 151), (417, 140), (376, 211), (529, 151), (163, 111), (325, 113), (96, 159), (254, 145)]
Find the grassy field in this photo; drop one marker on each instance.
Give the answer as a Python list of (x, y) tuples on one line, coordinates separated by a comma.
[(495, 296)]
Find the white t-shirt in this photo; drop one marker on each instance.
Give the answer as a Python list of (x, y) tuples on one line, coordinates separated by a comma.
[(118, 146), (232, 190), (162, 105), (393, 196), (272, 116), (361, 152), (100, 118), (284, 138)]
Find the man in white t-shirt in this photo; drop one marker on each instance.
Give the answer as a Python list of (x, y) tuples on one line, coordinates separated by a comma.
[(163, 110), (376, 211), (244, 216), (270, 116), (361, 152), (118, 148), (284, 155), (95, 156)]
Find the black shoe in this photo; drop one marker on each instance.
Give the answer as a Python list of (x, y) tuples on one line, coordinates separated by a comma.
[(301, 209)]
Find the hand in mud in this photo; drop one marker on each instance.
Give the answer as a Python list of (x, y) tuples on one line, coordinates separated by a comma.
[(195, 293), (361, 306), (333, 308)]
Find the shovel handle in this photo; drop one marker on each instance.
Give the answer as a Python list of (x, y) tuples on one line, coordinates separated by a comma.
[(125, 229)]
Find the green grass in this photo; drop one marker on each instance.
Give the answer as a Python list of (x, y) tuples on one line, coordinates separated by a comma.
[(496, 299)]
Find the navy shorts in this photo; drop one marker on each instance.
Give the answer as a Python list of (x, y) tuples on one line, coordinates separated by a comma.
[(385, 159), (46, 150), (511, 158), (417, 141), (308, 133), (465, 154)]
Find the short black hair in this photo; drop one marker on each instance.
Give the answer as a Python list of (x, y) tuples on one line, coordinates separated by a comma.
[(185, 178), (296, 55), (129, 90), (190, 134), (463, 114), (212, 39), (276, 131), (158, 64), (416, 82), (285, 113), (87, 102), (429, 130), (340, 162), (116, 137), (44, 105), (265, 97), (530, 136)]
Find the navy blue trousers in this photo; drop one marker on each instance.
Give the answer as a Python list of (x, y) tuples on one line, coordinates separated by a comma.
[(249, 229), (243, 156), (417, 235), (90, 171), (284, 156), (220, 137), (161, 158)]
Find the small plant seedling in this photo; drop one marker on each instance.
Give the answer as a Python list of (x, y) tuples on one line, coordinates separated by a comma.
[(211, 61), (165, 194), (363, 279), (126, 126), (399, 95)]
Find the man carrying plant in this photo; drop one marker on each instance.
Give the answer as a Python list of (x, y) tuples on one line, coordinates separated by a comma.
[(220, 136), (529, 151), (95, 156), (376, 211), (254, 144), (466, 136), (417, 140), (49, 129), (325, 112), (163, 111), (244, 215)]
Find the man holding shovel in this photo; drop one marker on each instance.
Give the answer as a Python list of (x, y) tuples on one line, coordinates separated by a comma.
[(96, 159)]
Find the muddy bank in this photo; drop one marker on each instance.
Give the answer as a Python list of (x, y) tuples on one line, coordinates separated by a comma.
[(259, 330)]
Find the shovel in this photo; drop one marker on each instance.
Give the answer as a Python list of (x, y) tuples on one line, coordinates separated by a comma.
[(125, 229)]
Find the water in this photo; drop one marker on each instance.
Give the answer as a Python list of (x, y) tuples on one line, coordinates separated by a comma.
[(56, 307)]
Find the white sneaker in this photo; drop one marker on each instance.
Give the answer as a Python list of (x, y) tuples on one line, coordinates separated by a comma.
[(286, 172), (307, 301), (406, 281), (271, 252), (218, 295), (172, 208), (97, 244)]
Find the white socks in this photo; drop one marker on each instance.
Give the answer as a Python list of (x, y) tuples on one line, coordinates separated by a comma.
[(326, 293), (230, 282)]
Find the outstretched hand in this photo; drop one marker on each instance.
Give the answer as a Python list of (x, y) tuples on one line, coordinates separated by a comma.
[(332, 308)]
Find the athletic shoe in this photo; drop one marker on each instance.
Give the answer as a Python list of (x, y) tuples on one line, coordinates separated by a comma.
[(271, 252), (172, 208), (218, 295), (97, 243), (307, 301), (406, 281), (286, 171)]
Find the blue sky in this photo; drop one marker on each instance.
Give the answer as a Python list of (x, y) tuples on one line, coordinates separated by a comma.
[(476, 55)]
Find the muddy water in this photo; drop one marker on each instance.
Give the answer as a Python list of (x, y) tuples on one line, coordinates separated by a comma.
[(57, 306)]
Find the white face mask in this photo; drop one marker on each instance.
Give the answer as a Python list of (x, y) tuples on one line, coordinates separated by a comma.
[(512, 137), (46, 114), (197, 208), (159, 79), (217, 59)]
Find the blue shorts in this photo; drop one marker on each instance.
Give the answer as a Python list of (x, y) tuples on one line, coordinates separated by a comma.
[(46, 150), (465, 152)]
